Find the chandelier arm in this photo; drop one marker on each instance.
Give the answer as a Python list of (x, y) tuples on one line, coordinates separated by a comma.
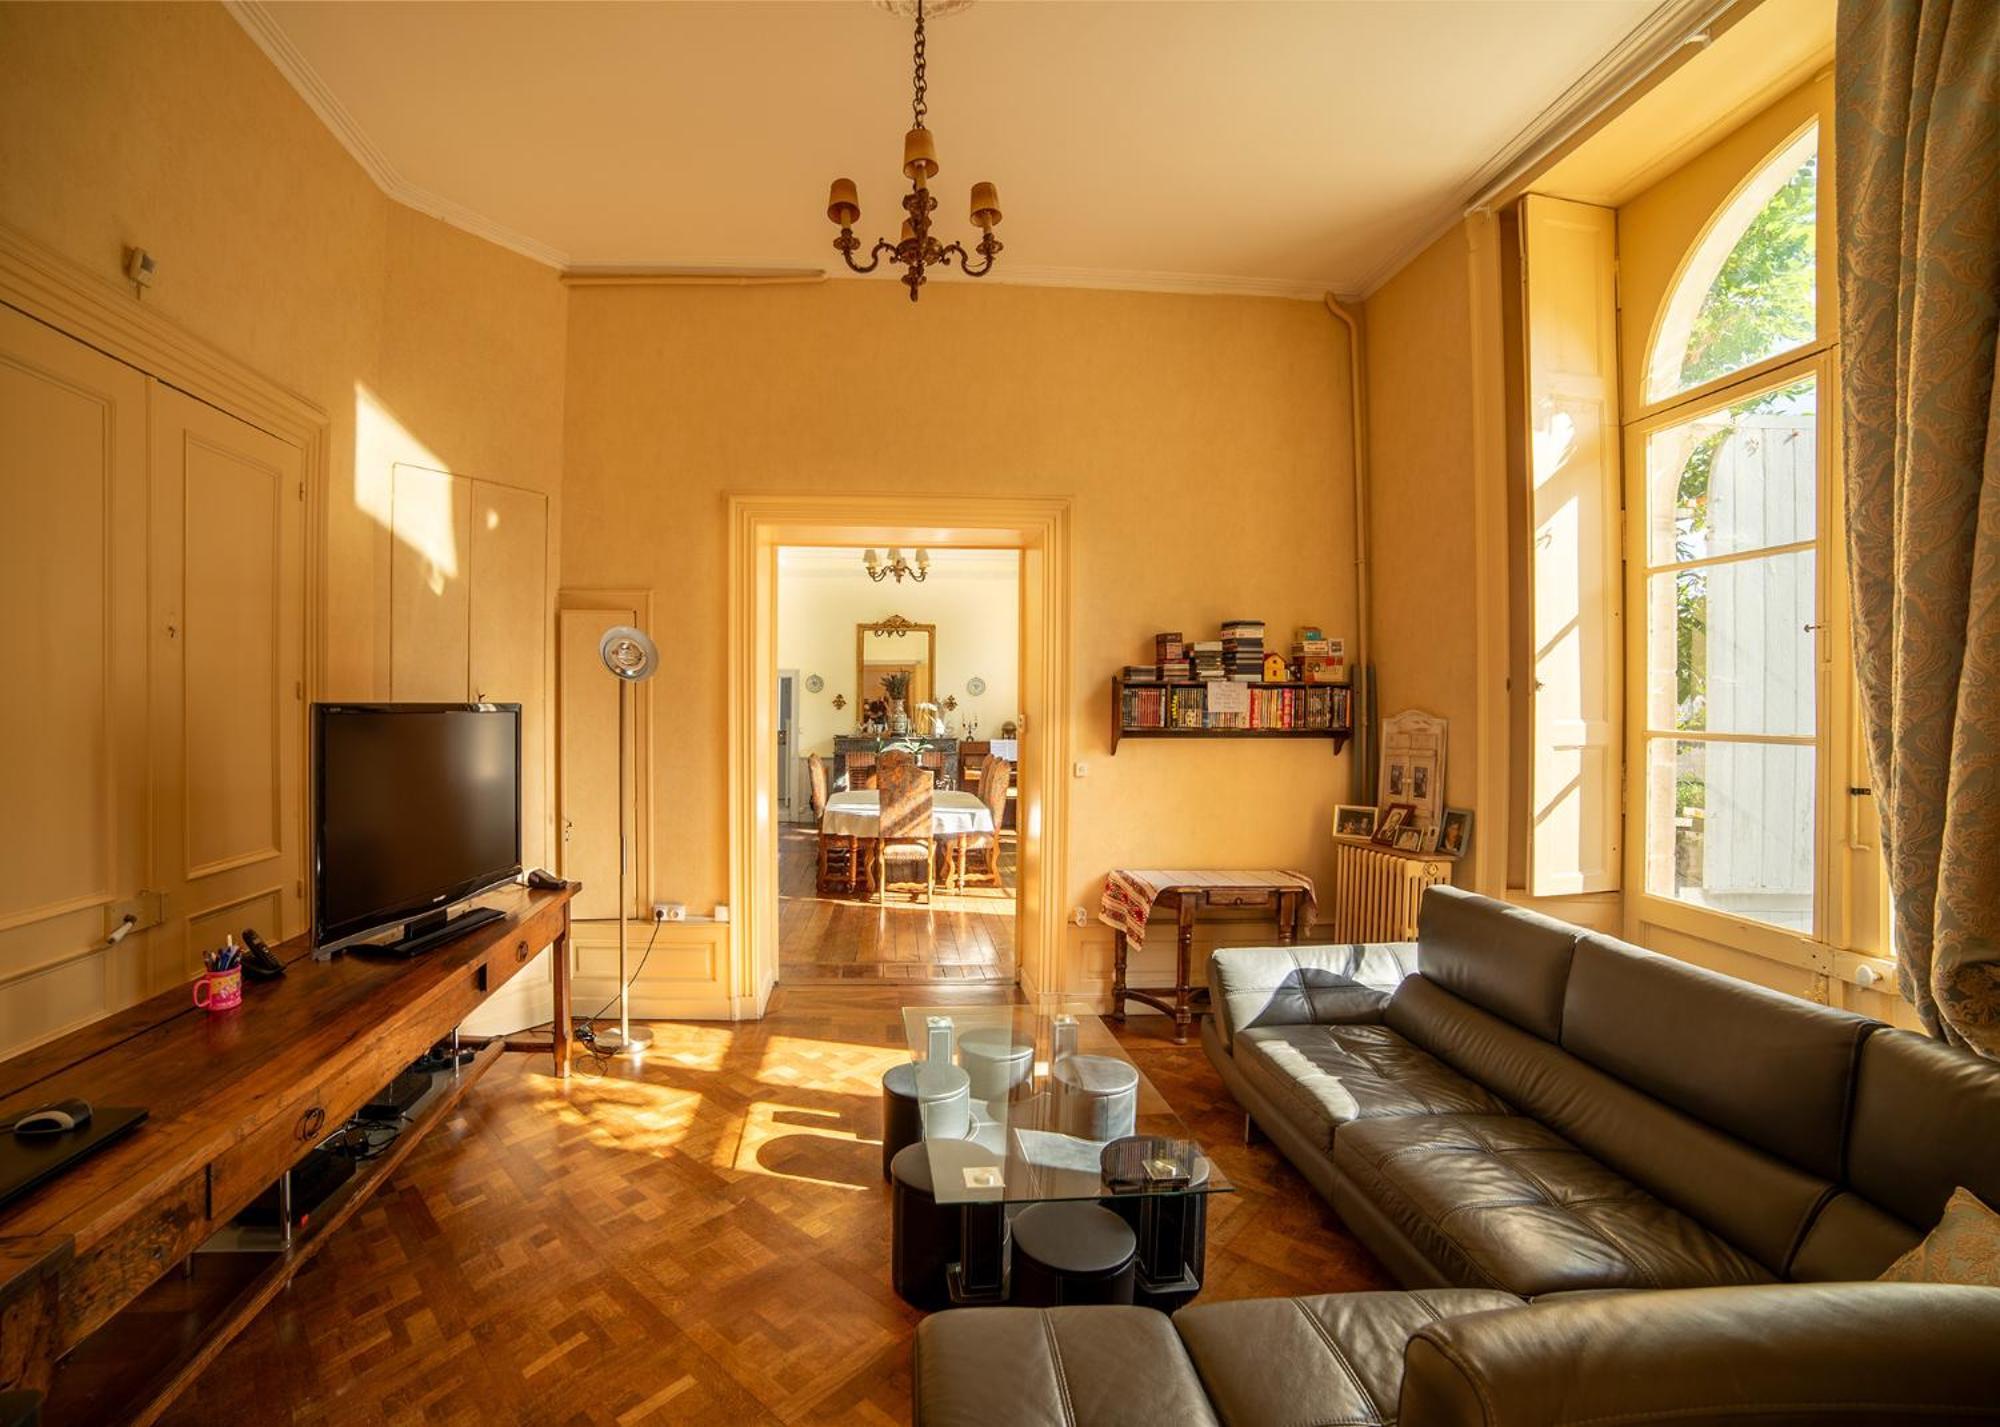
[(965, 259)]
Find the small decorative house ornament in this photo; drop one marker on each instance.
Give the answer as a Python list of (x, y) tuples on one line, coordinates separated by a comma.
[(1275, 671)]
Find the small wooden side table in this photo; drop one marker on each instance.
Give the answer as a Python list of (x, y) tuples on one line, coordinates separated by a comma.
[(1291, 900)]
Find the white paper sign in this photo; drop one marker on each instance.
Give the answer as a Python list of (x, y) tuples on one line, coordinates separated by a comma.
[(1226, 696)]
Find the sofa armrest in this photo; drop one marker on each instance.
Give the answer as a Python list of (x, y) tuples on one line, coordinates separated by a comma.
[(1706, 1357), (1309, 984)]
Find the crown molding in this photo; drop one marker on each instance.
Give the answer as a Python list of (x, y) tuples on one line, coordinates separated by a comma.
[(270, 37), (1652, 43)]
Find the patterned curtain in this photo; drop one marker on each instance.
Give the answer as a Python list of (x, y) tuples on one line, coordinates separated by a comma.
[(1917, 157)]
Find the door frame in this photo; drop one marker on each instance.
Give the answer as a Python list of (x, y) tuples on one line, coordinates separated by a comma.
[(788, 775), (1040, 530)]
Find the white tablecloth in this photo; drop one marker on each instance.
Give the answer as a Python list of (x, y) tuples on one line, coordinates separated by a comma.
[(859, 814)]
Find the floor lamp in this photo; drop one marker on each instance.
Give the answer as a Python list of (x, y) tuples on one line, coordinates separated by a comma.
[(630, 656)]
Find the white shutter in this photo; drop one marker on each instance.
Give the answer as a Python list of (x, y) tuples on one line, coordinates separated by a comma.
[(1575, 590)]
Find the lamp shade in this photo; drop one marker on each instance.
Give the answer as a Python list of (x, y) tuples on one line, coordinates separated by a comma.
[(628, 653)]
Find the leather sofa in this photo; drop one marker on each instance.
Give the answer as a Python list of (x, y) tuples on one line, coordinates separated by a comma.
[(1537, 1123), (1540, 1109), (1874, 1353)]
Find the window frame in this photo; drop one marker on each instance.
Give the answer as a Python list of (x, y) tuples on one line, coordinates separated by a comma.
[(1849, 915)]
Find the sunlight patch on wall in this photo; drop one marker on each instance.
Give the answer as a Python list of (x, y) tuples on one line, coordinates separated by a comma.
[(424, 520)]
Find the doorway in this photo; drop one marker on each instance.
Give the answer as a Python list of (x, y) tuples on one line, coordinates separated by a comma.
[(1039, 529), (910, 656)]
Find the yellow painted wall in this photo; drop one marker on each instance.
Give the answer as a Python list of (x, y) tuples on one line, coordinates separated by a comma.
[(164, 126), (1421, 519), (1203, 439)]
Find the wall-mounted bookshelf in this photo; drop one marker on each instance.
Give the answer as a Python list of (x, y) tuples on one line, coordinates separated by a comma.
[(1180, 709)]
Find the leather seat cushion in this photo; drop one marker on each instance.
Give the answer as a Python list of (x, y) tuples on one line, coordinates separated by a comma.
[(1329, 1076), (1341, 1353), (1087, 1366), (1504, 1202)]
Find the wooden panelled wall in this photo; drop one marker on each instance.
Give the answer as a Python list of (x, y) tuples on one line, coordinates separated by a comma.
[(153, 583)]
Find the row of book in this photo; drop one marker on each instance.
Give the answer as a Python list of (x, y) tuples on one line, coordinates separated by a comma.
[(1243, 647), (1327, 707)]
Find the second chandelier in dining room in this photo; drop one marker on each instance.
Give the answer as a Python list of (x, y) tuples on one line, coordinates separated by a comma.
[(916, 250)]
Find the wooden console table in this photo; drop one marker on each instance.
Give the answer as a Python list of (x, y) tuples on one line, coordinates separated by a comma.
[(90, 1311), (1129, 897)]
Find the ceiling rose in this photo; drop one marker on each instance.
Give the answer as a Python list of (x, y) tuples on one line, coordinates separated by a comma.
[(916, 249), (935, 9)]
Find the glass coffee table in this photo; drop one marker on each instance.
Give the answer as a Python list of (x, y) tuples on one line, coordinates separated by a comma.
[(1020, 1106)]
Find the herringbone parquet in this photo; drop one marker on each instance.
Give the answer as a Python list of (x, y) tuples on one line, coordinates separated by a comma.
[(705, 1242)]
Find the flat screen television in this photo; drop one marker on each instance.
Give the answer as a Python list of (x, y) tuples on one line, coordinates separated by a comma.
[(416, 807)]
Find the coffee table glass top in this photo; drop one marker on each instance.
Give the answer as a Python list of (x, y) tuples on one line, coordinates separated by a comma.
[(1024, 1105)]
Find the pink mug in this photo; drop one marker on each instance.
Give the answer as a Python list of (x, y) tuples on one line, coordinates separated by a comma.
[(219, 990)]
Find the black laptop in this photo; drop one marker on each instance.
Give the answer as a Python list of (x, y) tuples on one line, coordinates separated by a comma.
[(26, 1164)]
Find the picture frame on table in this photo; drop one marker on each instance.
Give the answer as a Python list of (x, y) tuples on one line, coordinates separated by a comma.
[(1454, 832), (1394, 819), (1354, 820), (1409, 840)]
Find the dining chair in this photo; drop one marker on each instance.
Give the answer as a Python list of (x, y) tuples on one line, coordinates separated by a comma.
[(837, 859), (860, 770), (907, 794), (995, 774)]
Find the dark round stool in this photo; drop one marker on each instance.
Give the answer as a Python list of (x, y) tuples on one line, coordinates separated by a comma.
[(1076, 1252), (923, 1238), (901, 1125)]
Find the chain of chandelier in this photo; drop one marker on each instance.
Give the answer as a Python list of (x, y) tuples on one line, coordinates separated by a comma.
[(916, 250)]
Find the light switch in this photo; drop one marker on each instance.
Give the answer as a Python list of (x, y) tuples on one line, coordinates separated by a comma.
[(1082, 768)]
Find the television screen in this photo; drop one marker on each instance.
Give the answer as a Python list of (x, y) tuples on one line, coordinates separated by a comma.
[(416, 807)]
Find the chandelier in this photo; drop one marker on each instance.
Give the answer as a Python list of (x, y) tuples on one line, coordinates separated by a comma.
[(898, 566), (916, 249)]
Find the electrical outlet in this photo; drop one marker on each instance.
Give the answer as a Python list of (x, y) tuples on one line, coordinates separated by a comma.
[(1082, 769), (670, 911), (1081, 916)]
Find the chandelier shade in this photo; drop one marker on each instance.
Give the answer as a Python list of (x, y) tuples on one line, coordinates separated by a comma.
[(915, 250)]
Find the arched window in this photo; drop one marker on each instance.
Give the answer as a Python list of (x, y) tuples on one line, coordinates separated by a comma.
[(1732, 476), (1747, 291)]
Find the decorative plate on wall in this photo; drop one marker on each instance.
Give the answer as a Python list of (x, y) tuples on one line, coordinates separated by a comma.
[(814, 683), (975, 686)]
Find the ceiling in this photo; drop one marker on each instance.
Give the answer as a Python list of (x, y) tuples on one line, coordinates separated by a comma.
[(1210, 145)]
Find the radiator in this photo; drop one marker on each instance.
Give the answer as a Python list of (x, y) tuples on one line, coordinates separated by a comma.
[(1376, 891)]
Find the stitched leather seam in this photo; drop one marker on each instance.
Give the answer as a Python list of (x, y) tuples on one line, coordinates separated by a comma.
[(1062, 1374), (1465, 1370), (1340, 1358)]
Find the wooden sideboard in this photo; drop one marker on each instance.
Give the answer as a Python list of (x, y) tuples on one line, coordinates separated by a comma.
[(91, 1310)]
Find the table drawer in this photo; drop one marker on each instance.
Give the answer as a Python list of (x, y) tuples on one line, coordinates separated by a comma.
[(1239, 897), (126, 1262), (241, 1173)]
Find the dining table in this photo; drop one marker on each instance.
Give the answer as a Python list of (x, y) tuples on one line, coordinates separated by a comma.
[(858, 814)]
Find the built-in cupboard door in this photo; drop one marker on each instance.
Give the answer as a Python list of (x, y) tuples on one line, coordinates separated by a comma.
[(228, 697), (73, 644)]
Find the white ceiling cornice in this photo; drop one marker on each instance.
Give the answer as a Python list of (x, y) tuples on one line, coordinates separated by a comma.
[(255, 18), (1658, 38)]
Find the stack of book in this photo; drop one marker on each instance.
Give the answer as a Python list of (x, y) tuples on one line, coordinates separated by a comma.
[(1142, 673), (1208, 659), (1243, 648), (1320, 660), (1172, 652)]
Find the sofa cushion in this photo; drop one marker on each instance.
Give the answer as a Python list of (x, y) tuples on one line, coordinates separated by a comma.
[(1850, 1240), (1310, 985), (1770, 1069), (1500, 1201), (1883, 1354), (1094, 1366), (1743, 1194), (1328, 1076), (1926, 1121), (1339, 1355), (1509, 960)]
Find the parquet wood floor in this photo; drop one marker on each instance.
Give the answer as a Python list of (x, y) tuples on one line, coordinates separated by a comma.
[(704, 1240), (959, 936)]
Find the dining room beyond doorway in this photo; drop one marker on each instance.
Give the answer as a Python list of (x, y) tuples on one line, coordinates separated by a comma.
[(897, 850)]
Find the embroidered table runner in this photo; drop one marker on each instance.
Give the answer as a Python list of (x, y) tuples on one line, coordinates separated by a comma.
[(1129, 894)]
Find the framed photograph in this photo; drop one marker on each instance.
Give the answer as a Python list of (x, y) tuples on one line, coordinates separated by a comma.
[(1454, 832), (1409, 840), (1353, 820), (1394, 819), (1396, 781)]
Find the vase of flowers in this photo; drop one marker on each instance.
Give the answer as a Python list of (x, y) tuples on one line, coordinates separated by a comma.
[(896, 688)]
